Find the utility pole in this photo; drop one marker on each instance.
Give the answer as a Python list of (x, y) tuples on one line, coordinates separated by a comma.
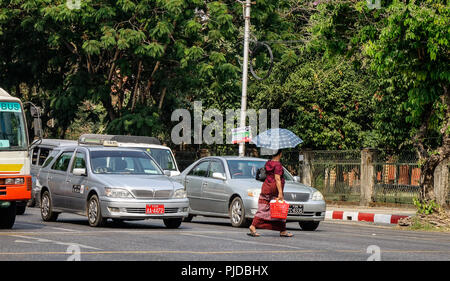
[(245, 72)]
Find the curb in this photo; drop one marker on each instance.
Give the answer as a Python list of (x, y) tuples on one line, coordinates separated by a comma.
[(358, 216)]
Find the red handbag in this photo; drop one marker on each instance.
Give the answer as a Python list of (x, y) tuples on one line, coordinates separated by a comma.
[(279, 209)]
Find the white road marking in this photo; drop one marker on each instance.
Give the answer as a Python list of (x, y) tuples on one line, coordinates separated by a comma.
[(41, 240)]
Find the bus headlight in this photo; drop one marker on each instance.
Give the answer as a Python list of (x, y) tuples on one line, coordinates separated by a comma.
[(14, 181)]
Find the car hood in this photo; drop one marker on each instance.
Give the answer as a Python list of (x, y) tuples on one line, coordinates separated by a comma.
[(288, 186), (137, 181)]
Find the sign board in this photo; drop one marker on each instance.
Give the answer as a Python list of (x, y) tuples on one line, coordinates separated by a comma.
[(242, 134), (10, 107)]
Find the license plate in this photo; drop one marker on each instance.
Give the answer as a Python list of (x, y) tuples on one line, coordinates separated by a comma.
[(154, 209), (295, 210)]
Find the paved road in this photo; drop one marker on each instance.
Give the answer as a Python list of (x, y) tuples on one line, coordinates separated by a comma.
[(211, 239)]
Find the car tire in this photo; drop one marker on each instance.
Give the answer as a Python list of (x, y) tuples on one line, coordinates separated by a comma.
[(20, 210), (94, 212), (172, 223), (47, 213), (188, 218), (8, 216), (308, 225), (237, 213)]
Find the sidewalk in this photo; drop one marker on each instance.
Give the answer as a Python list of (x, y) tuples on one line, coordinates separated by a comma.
[(381, 215)]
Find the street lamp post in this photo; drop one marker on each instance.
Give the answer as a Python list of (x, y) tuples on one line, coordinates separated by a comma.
[(245, 73)]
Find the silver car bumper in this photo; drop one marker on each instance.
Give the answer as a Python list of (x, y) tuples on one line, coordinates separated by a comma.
[(312, 210), (135, 209)]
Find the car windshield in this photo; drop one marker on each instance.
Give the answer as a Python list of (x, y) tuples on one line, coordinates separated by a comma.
[(12, 127), (123, 162), (163, 157), (246, 169)]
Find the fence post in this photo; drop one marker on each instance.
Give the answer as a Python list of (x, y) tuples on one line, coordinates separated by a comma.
[(367, 176), (306, 168), (441, 182)]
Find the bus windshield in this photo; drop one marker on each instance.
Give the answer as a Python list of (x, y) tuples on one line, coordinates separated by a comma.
[(12, 127)]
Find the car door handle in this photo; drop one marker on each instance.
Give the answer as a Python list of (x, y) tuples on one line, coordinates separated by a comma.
[(205, 183)]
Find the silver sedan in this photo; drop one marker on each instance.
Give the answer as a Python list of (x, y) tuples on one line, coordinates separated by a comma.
[(226, 187)]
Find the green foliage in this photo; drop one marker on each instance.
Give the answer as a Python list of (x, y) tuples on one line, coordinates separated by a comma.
[(425, 207)]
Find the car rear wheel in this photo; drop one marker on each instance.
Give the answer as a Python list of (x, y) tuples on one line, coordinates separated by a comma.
[(172, 223), (94, 212), (309, 225), (47, 213), (8, 216), (237, 213)]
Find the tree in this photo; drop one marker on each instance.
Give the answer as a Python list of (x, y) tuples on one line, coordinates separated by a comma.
[(413, 46)]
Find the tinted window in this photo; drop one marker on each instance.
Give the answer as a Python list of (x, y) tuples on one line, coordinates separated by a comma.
[(244, 169), (123, 162), (62, 163), (201, 170), (216, 167), (43, 155), (163, 157), (79, 162)]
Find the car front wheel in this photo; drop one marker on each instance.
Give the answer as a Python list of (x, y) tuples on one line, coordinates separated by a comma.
[(47, 213), (94, 212), (309, 225), (172, 223), (237, 213)]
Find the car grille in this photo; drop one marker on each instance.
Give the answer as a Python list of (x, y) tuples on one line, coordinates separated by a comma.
[(2, 190), (146, 194), (142, 210), (296, 197)]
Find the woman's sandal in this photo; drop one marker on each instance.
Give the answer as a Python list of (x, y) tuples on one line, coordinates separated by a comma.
[(286, 235), (253, 234)]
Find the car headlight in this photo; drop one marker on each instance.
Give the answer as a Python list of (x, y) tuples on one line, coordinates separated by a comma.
[(180, 193), (117, 193), (254, 192), (14, 181), (317, 196)]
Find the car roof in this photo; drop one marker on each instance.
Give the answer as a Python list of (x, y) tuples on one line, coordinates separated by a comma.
[(230, 157), (98, 148), (54, 142)]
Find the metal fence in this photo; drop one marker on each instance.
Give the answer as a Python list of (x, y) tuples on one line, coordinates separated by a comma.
[(396, 177), (337, 174)]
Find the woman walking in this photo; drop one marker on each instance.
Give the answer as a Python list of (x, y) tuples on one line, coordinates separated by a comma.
[(272, 188)]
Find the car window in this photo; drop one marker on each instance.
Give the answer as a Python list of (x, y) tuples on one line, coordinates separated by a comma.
[(43, 155), (123, 162), (79, 162), (201, 170), (163, 157), (62, 163), (244, 169), (216, 167), (34, 155)]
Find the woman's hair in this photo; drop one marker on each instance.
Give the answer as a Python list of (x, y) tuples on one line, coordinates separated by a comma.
[(277, 152)]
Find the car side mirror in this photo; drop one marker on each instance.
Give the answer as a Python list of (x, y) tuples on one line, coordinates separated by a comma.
[(79, 172), (296, 178), (167, 173), (219, 176)]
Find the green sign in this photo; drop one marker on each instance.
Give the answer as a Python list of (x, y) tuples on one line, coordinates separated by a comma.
[(10, 107)]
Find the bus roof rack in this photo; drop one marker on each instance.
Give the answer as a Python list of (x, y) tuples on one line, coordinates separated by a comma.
[(101, 139)]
